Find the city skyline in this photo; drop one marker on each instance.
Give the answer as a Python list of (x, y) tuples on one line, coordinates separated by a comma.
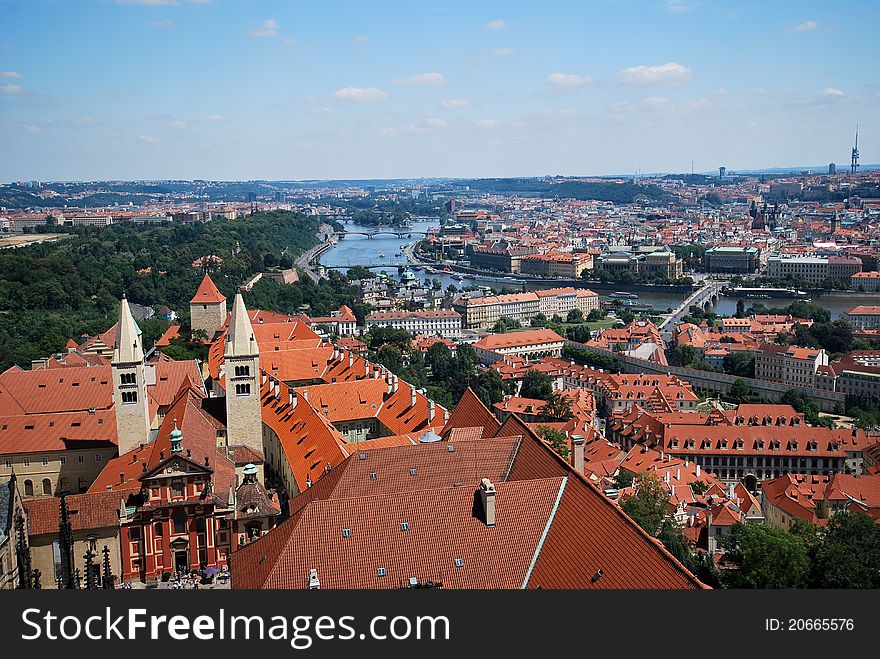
[(224, 90)]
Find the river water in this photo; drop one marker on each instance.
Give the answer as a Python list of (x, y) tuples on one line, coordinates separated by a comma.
[(360, 250)]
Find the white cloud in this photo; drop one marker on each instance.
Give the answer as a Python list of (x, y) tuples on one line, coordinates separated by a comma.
[(806, 26), (568, 80), (266, 30), (455, 104), (323, 110), (85, 120), (648, 75), (434, 122), (679, 6), (148, 139), (32, 129), (502, 52), (487, 123), (10, 89), (500, 24), (360, 94), (162, 25), (12, 75), (362, 38), (177, 124), (215, 118), (656, 102), (421, 79), (832, 91)]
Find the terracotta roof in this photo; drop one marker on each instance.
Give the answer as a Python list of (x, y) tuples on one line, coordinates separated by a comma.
[(33, 433), (516, 339), (87, 511), (470, 413), (208, 293)]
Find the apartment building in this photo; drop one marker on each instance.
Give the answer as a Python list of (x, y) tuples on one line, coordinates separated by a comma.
[(791, 365), (813, 269), (864, 317), (443, 322), (731, 260), (484, 312), (553, 301)]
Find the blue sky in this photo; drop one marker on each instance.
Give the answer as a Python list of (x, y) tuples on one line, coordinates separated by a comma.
[(235, 89)]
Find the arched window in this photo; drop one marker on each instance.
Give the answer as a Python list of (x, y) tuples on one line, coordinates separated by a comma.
[(28, 488), (47, 486)]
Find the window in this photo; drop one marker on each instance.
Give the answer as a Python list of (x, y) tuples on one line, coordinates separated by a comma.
[(63, 459), (8, 463), (177, 488), (381, 571), (80, 458), (128, 378), (47, 486), (404, 526), (242, 371), (373, 476), (28, 488), (99, 457), (157, 530), (26, 462), (459, 562), (346, 533), (178, 518), (243, 389), (129, 397), (134, 533)]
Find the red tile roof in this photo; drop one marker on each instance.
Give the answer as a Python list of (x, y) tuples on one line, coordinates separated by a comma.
[(87, 511), (208, 293)]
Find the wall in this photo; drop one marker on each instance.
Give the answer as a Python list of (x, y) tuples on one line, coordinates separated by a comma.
[(720, 382)]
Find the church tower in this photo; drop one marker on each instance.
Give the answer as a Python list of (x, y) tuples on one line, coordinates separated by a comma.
[(244, 421), (129, 383), (207, 309)]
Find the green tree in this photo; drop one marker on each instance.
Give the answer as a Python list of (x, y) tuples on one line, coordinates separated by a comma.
[(623, 479), (595, 315), (740, 363), (575, 316), (556, 439), (536, 384), (765, 557), (578, 333), (489, 387), (557, 408), (740, 391), (649, 505), (848, 555), (359, 272), (539, 320), (740, 308)]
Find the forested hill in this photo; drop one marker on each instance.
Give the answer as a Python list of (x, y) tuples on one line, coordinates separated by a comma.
[(54, 291), (619, 193)]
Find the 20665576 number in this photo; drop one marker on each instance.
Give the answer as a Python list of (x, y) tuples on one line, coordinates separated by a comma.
[(809, 624)]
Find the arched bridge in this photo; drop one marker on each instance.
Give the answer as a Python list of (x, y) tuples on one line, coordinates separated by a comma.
[(400, 233), (703, 297)]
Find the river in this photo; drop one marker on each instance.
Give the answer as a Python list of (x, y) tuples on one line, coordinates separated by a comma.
[(360, 250)]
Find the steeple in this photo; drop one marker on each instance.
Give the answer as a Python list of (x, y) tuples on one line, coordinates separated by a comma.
[(128, 348), (240, 341), (241, 368), (176, 439)]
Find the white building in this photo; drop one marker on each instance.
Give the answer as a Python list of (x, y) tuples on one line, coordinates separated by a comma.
[(442, 322)]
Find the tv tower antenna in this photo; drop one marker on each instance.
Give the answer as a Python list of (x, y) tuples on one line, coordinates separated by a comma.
[(855, 153)]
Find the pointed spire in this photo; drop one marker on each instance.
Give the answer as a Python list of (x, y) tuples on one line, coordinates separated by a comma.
[(240, 341), (128, 348), (208, 293)]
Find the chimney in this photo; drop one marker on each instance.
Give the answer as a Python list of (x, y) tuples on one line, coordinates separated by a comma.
[(431, 410), (350, 359), (445, 417), (577, 455), (314, 583), (698, 471), (487, 494), (291, 399), (305, 395), (395, 385), (412, 396)]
